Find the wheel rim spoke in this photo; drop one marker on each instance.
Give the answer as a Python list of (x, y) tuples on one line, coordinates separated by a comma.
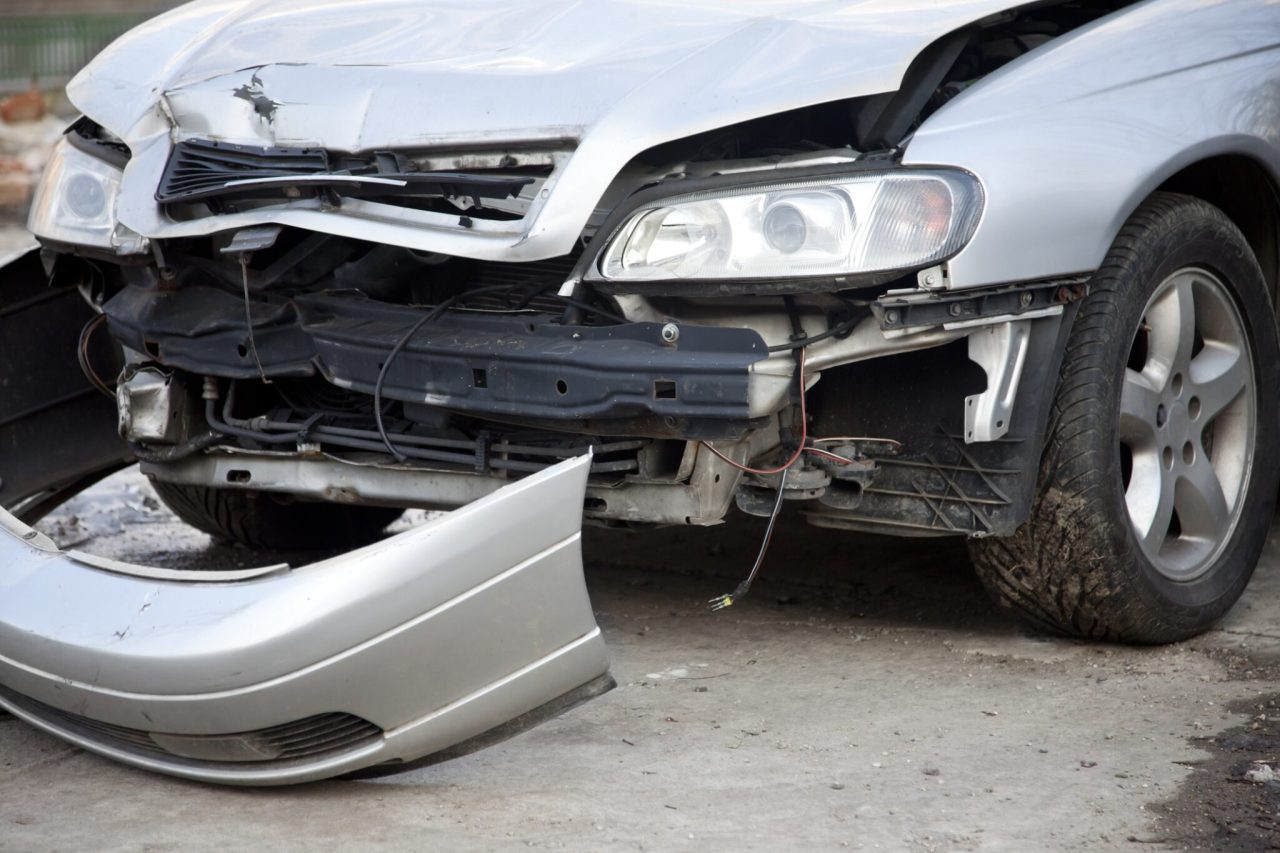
[(1219, 374), (1152, 510), (1138, 404), (1172, 319), (1202, 506)]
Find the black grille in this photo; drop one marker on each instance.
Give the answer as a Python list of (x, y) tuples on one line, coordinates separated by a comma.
[(205, 170), (307, 739), (197, 168)]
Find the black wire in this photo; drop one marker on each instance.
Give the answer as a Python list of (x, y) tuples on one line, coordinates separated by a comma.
[(404, 339), (400, 344), (798, 338), (248, 318), (386, 365), (835, 330), (577, 303), (433, 314), (723, 601), (172, 453), (82, 356)]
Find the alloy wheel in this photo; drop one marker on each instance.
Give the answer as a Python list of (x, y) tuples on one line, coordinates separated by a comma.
[(1187, 423)]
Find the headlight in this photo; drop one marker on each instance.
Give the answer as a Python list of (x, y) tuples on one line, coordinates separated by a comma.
[(76, 202), (832, 226)]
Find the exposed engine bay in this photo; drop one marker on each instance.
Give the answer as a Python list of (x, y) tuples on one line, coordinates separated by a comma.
[(336, 369)]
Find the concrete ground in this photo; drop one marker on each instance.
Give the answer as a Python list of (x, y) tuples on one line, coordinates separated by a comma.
[(866, 696)]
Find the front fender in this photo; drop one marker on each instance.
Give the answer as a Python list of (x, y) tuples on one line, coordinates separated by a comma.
[(1070, 138)]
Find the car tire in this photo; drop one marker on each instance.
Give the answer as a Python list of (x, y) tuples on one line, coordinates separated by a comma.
[(265, 521), (1158, 480)]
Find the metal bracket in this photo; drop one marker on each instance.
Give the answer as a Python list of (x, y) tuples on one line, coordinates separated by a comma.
[(254, 239), (934, 278), (951, 309), (1001, 351)]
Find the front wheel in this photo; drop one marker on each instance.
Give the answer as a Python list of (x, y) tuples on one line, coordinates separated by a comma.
[(1159, 476), (263, 520)]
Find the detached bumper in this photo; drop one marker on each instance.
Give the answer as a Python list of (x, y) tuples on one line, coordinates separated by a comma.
[(414, 645)]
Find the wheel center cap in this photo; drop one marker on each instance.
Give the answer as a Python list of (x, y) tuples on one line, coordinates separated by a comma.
[(1178, 426)]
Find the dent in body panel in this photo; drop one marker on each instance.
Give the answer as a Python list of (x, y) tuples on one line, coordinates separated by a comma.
[(252, 92)]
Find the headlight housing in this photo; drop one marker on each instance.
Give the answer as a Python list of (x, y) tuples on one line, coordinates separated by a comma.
[(75, 202), (836, 225)]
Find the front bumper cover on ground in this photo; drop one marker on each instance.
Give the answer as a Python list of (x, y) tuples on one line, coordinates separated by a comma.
[(408, 647)]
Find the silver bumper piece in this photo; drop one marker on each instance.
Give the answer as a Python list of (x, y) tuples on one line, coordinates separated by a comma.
[(469, 625)]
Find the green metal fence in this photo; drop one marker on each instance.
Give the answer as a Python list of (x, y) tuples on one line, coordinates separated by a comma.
[(51, 49)]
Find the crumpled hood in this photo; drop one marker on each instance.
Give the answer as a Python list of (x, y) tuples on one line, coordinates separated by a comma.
[(390, 72), (612, 77)]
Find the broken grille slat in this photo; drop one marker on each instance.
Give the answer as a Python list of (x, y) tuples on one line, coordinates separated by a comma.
[(196, 166), (201, 169)]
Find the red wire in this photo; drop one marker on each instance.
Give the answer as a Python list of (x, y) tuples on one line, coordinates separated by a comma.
[(804, 436), (801, 449)]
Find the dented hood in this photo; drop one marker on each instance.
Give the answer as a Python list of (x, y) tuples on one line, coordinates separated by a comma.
[(355, 75), (609, 77)]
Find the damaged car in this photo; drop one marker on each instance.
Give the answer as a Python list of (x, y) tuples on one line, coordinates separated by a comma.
[(998, 271)]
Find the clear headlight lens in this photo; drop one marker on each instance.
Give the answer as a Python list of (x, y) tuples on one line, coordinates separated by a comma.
[(76, 199), (862, 223)]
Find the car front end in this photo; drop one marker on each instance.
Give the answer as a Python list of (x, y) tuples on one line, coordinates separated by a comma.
[(310, 303), (464, 259)]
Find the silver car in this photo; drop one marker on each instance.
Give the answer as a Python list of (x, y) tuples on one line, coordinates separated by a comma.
[(982, 269)]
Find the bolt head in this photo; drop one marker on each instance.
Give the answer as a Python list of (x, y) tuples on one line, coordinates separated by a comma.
[(930, 280), (670, 333), (890, 317)]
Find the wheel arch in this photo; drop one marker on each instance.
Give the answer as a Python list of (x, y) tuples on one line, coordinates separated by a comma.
[(1248, 193)]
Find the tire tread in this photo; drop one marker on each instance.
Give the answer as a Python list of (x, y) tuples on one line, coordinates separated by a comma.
[(257, 520)]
